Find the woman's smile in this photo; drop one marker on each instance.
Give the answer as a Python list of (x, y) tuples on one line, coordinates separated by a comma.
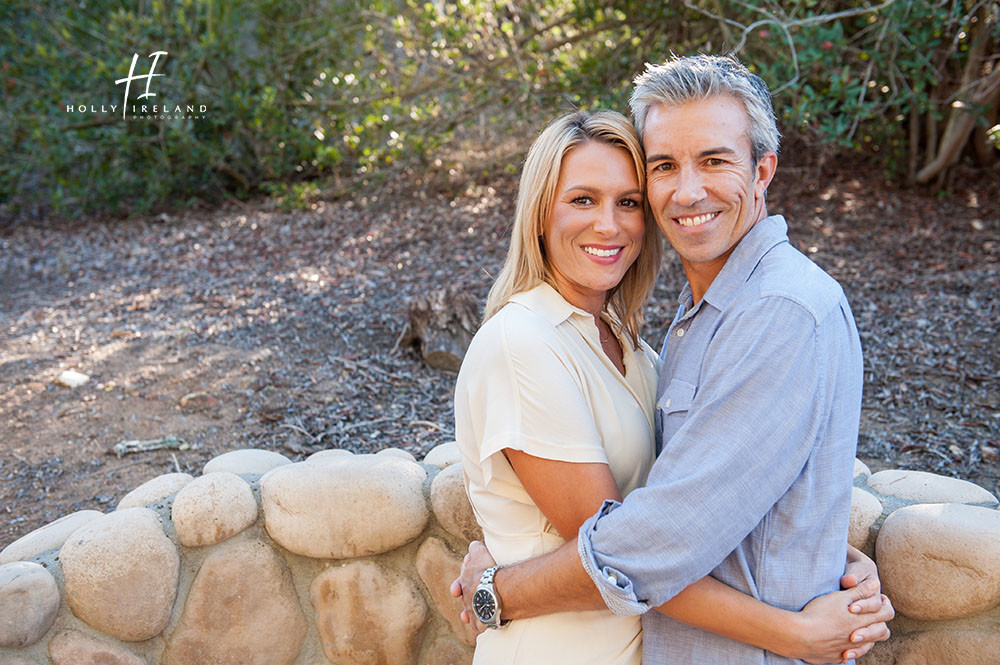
[(595, 229)]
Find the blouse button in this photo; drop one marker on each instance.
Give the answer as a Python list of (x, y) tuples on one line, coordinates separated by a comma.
[(680, 332)]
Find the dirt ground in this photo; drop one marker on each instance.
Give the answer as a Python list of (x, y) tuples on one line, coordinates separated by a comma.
[(250, 327)]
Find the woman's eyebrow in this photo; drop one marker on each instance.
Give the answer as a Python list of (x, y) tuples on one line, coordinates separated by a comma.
[(593, 190)]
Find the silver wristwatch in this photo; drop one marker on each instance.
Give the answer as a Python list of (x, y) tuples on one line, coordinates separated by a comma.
[(486, 602)]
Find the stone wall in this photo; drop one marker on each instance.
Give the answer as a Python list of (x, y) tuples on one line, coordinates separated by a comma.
[(937, 544), (347, 558)]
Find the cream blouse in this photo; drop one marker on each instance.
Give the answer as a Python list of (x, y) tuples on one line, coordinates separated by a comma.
[(536, 379)]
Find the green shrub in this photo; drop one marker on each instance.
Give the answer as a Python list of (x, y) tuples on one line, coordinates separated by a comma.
[(296, 91)]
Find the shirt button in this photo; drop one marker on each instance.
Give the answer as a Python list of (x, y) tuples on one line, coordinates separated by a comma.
[(680, 332), (613, 579), (666, 405)]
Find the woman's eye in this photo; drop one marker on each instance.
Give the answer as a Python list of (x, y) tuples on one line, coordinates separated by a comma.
[(630, 203), (582, 200)]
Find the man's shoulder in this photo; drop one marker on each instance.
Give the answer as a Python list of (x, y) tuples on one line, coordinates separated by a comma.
[(786, 273)]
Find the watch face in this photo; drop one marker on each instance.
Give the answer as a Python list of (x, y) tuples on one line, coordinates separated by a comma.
[(483, 605)]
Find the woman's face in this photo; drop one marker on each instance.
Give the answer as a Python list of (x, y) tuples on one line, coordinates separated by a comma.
[(595, 230)]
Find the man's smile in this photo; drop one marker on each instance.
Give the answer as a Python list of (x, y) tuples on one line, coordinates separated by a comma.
[(697, 220)]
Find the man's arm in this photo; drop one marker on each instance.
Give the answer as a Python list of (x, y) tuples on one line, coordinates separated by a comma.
[(568, 492), (735, 455), (747, 437), (553, 582), (843, 624)]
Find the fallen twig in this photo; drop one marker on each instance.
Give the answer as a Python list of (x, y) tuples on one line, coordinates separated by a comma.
[(163, 443)]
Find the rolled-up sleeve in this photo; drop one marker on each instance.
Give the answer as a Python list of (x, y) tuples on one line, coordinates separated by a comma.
[(615, 587), (749, 431)]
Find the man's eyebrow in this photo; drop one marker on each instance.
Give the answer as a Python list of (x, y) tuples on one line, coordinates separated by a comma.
[(721, 150), (717, 151)]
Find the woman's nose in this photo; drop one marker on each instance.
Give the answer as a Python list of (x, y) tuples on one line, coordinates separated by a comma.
[(605, 221)]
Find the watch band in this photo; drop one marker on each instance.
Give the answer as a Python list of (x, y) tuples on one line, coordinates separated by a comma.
[(490, 598), (487, 577)]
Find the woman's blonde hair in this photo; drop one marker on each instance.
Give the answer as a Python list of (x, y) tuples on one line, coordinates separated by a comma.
[(526, 265)]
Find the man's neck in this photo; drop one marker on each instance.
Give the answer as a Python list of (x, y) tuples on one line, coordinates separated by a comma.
[(701, 275)]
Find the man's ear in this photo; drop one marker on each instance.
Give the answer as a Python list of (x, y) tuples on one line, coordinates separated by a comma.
[(766, 167)]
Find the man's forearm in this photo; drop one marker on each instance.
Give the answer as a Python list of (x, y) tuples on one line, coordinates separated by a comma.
[(553, 582)]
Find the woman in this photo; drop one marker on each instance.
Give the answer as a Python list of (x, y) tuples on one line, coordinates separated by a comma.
[(557, 390)]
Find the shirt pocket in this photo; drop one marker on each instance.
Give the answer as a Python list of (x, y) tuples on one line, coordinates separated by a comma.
[(673, 405)]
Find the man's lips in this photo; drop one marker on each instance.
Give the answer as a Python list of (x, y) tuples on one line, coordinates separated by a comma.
[(696, 220)]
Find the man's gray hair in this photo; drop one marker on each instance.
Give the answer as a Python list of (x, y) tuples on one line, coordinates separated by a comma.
[(697, 77)]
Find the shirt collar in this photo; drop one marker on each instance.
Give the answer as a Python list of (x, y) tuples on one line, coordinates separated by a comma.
[(545, 301), (748, 252)]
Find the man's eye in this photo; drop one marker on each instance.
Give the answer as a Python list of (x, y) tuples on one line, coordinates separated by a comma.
[(663, 166), (716, 161)]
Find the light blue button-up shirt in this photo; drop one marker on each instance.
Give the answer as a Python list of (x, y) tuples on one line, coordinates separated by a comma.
[(757, 408)]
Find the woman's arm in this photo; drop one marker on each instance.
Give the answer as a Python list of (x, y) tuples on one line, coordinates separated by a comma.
[(569, 493), (821, 633)]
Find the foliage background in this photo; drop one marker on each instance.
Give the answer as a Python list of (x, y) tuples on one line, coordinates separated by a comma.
[(328, 96)]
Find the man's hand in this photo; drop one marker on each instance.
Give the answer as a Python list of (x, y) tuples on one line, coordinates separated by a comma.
[(476, 561)]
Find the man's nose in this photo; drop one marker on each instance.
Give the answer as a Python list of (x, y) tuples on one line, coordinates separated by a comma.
[(690, 187)]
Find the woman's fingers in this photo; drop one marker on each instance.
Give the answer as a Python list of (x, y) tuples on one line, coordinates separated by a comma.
[(867, 605), (858, 651), (877, 632)]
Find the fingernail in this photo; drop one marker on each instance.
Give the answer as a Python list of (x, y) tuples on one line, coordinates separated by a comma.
[(855, 608), (857, 638), (851, 655)]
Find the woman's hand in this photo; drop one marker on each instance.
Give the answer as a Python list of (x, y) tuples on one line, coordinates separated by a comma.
[(840, 626), (860, 569)]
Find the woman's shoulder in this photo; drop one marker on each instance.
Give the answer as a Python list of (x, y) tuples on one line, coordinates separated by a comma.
[(513, 327)]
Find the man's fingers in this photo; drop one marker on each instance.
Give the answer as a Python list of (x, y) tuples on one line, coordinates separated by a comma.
[(848, 581), (464, 616), (456, 588)]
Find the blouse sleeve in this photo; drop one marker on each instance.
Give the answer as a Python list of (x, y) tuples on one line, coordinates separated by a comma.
[(532, 398)]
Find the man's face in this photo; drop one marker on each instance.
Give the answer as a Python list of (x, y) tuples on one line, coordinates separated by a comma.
[(702, 185)]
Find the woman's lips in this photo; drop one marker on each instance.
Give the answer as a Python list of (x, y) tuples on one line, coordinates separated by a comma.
[(604, 254)]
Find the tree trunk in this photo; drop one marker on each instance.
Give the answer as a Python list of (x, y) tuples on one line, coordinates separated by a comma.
[(979, 89), (442, 324), (986, 154)]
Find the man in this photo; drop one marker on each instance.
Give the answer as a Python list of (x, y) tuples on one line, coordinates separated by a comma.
[(758, 402)]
